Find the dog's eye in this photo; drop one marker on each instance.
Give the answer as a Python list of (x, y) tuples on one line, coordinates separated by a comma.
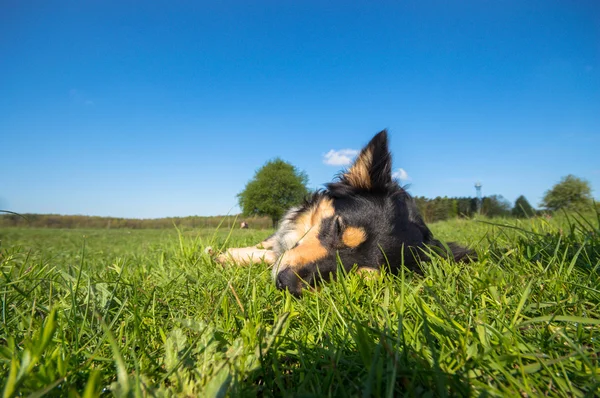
[(338, 226)]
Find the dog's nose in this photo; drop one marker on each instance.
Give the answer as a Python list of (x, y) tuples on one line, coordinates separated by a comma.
[(279, 282), (287, 279), (283, 279)]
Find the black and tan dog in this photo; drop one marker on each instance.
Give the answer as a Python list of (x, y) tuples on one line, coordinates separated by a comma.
[(363, 219)]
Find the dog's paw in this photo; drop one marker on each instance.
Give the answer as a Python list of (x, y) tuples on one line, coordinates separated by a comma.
[(222, 259)]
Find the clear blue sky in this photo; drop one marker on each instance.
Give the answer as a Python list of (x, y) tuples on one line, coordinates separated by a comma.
[(148, 109)]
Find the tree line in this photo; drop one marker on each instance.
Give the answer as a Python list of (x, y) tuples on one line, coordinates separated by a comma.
[(96, 222), (278, 185), (431, 209), (444, 208)]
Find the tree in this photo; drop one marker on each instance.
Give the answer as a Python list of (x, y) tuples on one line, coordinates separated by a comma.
[(495, 206), (276, 187), (467, 207), (522, 208), (571, 193)]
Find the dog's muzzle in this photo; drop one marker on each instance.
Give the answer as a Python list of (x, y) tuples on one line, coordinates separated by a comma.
[(290, 280)]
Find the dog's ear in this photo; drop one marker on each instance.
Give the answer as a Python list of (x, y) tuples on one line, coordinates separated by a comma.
[(372, 169)]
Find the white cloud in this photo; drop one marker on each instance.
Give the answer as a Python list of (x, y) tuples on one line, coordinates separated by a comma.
[(401, 174), (343, 157)]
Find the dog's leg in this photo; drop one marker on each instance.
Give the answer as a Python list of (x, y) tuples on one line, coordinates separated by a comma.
[(268, 243), (247, 256)]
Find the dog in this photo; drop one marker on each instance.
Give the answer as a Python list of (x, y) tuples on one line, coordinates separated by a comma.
[(362, 219)]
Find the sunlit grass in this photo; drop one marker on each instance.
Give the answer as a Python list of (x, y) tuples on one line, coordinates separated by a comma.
[(146, 312)]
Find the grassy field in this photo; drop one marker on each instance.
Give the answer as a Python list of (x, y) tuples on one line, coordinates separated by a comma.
[(147, 313)]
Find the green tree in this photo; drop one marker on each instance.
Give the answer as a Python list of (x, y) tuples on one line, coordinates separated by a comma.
[(571, 193), (276, 187), (522, 208), (495, 206)]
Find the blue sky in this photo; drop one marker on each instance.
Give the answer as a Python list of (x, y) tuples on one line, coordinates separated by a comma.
[(152, 109)]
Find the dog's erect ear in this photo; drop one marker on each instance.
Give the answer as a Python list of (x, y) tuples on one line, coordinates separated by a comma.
[(372, 169)]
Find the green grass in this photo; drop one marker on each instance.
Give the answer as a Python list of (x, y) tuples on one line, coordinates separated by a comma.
[(147, 313)]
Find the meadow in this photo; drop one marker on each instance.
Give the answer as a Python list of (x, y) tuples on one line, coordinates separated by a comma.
[(89, 312)]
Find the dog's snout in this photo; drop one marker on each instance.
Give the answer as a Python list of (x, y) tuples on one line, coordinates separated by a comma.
[(288, 279), (279, 280), (284, 279)]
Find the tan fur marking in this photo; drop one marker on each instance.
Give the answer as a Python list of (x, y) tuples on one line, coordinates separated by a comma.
[(311, 219), (324, 210), (308, 225), (358, 175), (354, 236), (303, 223), (307, 253)]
